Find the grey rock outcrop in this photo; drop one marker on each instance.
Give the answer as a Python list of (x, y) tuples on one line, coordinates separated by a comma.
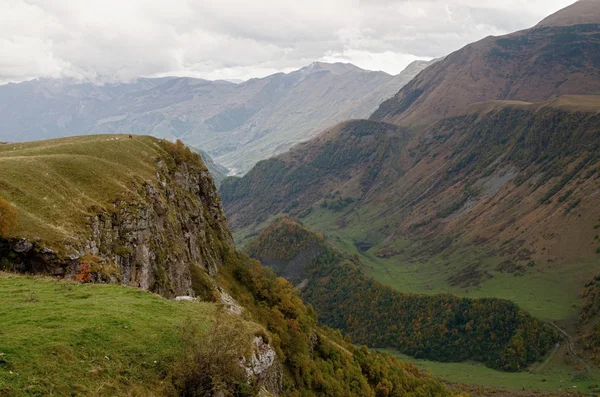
[(263, 366), (150, 238), (231, 304), (185, 299)]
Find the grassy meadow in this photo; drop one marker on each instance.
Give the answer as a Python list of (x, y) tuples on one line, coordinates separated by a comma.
[(553, 376), (61, 338)]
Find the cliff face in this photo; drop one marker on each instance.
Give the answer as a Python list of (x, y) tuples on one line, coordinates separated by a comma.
[(154, 237), (150, 238)]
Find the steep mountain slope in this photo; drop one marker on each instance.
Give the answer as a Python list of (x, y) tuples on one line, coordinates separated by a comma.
[(143, 212), (581, 13), (500, 201), (304, 112), (217, 171), (476, 196), (237, 124), (351, 159), (552, 59)]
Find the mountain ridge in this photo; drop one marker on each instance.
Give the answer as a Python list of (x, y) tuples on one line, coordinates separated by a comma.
[(532, 65), (237, 124), (580, 13)]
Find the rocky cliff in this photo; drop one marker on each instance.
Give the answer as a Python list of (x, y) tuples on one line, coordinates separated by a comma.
[(149, 238)]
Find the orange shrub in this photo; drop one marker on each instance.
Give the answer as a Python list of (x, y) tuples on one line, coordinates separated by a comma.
[(85, 273)]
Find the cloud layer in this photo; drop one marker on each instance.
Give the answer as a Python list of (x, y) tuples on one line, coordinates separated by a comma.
[(115, 40)]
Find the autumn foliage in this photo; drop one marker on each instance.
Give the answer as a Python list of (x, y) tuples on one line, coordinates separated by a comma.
[(8, 218), (439, 327), (182, 154), (318, 361), (85, 274), (291, 239)]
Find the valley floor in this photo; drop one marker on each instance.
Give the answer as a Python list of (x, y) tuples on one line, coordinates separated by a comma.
[(554, 377), (546, 292)]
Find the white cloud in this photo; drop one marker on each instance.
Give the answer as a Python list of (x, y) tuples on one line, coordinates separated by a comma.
[(123, 39)]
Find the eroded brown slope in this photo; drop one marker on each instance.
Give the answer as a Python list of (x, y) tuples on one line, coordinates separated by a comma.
[(532, 65), (580, 13)]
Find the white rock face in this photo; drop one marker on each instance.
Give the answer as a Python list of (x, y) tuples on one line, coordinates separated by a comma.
[(264, 368)]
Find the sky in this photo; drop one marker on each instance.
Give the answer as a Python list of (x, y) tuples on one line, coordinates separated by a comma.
[(119, 40)]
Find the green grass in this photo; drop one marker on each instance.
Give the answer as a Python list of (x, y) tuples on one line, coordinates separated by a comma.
[(53, 184), (548, 293), (61, 338), (559, 377)]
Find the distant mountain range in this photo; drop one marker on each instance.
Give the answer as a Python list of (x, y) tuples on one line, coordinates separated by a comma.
[(236, 123)]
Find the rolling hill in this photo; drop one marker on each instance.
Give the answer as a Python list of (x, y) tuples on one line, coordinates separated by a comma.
[(237, 124), (442, 327)]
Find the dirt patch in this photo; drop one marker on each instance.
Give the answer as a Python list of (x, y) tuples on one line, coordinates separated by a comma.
[(386, 253), (524, 255), (470, 276), (497, 181)]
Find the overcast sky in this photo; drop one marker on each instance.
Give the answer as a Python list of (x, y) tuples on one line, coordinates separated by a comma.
[(109, 40)]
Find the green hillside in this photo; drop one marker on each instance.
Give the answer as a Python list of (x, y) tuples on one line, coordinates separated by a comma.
[(60, 338), (55, 184), (101, 340)]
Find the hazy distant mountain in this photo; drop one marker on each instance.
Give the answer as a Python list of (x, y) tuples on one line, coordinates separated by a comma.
[(237, 124), (217, 171)]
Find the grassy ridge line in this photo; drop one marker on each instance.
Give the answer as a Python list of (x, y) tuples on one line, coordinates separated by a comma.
[(54, 183)]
